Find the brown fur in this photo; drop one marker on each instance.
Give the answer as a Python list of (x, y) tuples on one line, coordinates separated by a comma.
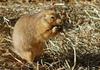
[(31, 31)]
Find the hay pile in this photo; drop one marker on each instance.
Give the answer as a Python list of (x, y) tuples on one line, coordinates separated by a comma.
[(77, 49)]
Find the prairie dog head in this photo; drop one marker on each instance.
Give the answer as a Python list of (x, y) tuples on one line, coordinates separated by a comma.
[(54, 21)]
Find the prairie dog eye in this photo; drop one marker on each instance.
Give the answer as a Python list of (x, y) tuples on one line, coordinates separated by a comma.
[(52, 17)]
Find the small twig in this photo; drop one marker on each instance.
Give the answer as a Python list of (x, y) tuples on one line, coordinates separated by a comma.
[(37, 68), (52, 43), (5, 19), (91, 16), (59, 4), (87, 13), (68, 64), (61, 68), (7, 39), (73, 47), (17, 59), (74, 58), (7, 22)]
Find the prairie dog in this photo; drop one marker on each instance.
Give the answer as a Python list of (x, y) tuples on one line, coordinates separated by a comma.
[(31, 31)]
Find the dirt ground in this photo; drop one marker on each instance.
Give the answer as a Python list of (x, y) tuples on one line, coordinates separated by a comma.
[(77, 49)]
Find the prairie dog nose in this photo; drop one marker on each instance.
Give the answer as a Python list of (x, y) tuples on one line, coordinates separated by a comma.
[(59, 28)]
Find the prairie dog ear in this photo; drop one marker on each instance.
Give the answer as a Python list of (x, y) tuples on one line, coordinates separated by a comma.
[(49, 13)]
